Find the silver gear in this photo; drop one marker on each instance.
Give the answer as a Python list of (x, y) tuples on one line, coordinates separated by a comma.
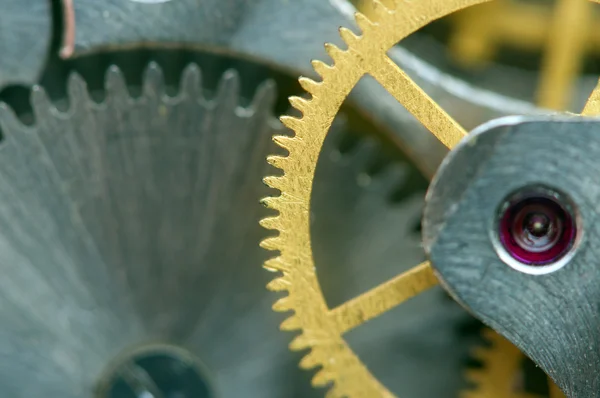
[(131, 227), (134, 222)]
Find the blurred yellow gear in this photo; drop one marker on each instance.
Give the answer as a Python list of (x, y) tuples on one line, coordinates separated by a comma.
[(323, 327), (563, 29), (501, 366)]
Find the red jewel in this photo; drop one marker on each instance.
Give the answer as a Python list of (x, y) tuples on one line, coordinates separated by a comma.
[(536, 230)]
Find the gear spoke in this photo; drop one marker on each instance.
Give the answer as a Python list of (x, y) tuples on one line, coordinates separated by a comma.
[(417, 102), (384, 297), (566, 48)]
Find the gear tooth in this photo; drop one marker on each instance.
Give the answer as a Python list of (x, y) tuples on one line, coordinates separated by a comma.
[(285, 141), (363, 22), (321, 379), (153, 82), (42, 106), (271, 222), (348, 36), (480, 353), (228, 90), (276, 264), (299, 343), (290, 324), (299, 103), (9, 122), (277, 161), (265, 97), (309, 85), (310, 360), (283, 305), (116, 88), (278, 284), (276, 182), (191, 81), (334, 51), (290, 122), (77, 89), (272, 243), (272, 202), (489, 335), (381, 8), (474, 376), (321, 68)]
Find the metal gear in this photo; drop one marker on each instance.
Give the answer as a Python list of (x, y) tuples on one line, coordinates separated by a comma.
[(500, 367), (116, 230), (24, 40), (565, 34), (372, 211), (109, 242), (254, 31), (322, 327)]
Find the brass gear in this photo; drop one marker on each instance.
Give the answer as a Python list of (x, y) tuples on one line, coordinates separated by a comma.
[(501, 364), (323, 328)]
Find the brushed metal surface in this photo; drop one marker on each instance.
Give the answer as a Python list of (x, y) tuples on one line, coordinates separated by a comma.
[(552, 317)]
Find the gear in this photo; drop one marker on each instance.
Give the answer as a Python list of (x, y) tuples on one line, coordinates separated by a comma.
[(322, 327), (479, 34), (253, 30), (162, 274), (129, 223), (501, 365), (372, 210)]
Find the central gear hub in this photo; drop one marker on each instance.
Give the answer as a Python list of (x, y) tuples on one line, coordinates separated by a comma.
[(156, 371)]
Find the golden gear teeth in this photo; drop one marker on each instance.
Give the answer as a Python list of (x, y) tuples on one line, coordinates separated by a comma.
[(322, 328)]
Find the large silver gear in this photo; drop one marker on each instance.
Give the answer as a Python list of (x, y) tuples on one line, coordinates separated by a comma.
[(118, 217), (131, 231)]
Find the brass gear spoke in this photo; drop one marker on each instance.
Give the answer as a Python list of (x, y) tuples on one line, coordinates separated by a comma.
[(565, 50), (416, 101), (384, 297)]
